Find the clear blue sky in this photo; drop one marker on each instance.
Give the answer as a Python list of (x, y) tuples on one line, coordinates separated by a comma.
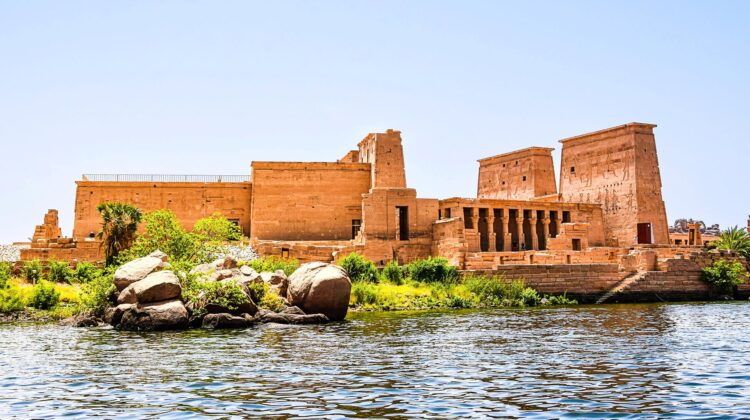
[(207, 87)]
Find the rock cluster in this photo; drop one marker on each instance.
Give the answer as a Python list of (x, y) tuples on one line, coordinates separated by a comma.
[(11, 253), (238, 252), (149, 296)]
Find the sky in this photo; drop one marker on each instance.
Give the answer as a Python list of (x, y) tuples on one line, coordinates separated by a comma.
[(206, 87)]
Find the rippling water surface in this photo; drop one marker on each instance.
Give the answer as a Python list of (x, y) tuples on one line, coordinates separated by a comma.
[(615, 360)]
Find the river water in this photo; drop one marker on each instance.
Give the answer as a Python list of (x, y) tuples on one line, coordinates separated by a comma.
[(685, 360)]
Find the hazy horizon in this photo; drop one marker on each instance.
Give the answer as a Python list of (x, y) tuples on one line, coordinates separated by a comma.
[(208, 87)]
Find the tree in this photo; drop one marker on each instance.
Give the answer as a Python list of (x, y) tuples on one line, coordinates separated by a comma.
[(734, 239), (217, 228), (119, 225)]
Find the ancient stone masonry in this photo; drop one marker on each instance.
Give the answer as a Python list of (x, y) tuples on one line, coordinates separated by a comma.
[(689, 232), (520, 175), (618, 169), (608, 201)]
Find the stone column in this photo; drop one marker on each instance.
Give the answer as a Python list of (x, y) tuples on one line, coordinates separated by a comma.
[(475, 219), (491, 231), (507, 239), (545, 222), (534, 237), (558, 224), (521, 236)]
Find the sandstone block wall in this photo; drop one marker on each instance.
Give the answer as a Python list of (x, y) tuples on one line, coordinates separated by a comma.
[(519, 175), (307, 201), (385, 153), (582, 281), (617, 168), (190, 201)]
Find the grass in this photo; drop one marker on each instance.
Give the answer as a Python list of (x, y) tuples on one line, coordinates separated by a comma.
[(18, 296), (471, 292)]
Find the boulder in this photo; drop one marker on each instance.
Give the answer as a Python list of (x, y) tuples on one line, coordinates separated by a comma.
[(160, 255), (167, 315), (246, 270), (227, 263), (159, 286), (113, 315), (220, 321), (292, 310), (80, 320), (136, 270), (277, 281), (128, 295), (282, 318), (320, 288)]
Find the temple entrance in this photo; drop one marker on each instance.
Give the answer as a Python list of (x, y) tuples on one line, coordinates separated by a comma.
[(644, 233), (498, 229)]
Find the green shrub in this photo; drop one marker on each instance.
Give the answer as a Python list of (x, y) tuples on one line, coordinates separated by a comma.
[(530, 297), (227, 294), (98, 293), (560, 300), (270, 300), (59, 271), (44, 295), (364, 293), (6, 271), (724, 275), (217, 228), (273, 263), (164, 232), (85, 272), (32, 270), (432, 270), (11, 299), (392, 273), (359, 268)]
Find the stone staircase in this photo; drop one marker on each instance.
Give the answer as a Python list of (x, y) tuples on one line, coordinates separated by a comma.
[(622, 286)]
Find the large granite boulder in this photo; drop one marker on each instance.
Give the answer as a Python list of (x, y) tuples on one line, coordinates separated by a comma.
[(136, 270), (113, 315), (221, 321), (320, 288), (267, 317), (162, 285), (166, 315), (277, 281)]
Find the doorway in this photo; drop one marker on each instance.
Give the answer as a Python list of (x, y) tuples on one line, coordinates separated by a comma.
[(644, 233)]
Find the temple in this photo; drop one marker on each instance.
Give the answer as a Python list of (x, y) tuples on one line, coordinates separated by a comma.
[(609, 197)]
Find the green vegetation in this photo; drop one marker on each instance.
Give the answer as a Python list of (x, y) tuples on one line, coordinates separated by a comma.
[(217, 228), (44, 296), (393, 273), (272, 264), (59, 272), (359, 268), (226, 294), (724, 275), (437, 285), (432, 270), (32, 270), (734, 239), (98, 293), (119, 225), (85, 272), (6, 271)]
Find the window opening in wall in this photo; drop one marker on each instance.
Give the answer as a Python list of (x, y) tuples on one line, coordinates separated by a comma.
[(440, 214), (468, 221), (403, 223), (572, 170), (566, 217), (523, 178), (284, 252), (576, 244), (356, 227), (447, 213)]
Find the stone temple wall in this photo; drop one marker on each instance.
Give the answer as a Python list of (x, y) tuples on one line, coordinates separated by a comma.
[(618, 169), (519, 175)]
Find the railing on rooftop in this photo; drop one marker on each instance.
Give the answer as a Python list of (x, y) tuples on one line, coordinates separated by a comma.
[(164, 178)]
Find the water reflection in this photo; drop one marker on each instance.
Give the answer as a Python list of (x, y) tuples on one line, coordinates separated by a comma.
[(607, 361)]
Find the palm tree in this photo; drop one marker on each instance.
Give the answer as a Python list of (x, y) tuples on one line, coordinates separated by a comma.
[(734, 239), (119, 224)]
